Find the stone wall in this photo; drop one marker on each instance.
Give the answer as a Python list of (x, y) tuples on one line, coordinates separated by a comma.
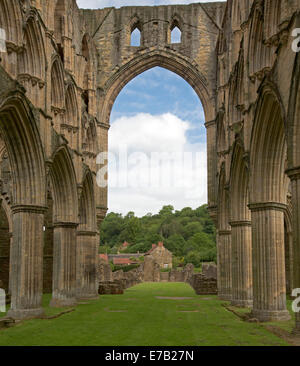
[(203, 285), (209, 270)]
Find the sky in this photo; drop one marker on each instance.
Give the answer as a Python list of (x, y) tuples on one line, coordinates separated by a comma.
[(157, 127), (95, 4), (157, 139)]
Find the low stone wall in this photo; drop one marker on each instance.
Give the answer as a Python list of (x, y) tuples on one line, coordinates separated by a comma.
[(203, 285), (209, 270), (111, 288), (116, 282)]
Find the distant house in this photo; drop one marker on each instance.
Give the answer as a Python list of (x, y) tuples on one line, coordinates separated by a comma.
[(121, 261), (104, 257), (161, 255)]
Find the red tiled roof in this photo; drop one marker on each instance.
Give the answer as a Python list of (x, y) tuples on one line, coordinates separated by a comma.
[(119, 261), (104, 256)]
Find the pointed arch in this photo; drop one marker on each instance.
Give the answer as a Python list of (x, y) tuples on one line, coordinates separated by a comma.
[(22, 140), (269, 182), (10, 16), (176, 29), (32, 60), (136, 26), (71, 106), (63, 179), (87, 208), (57, 83), (239, 185)]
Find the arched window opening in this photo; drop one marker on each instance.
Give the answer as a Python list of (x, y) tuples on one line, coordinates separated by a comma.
[(85, 49), (136, 37), (175, 34)]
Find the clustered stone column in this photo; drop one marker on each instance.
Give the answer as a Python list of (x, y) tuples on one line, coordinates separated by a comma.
[(224, 264), (26, 278), (64, 264), (294, 175), (87, 287), (241, 250), (269, 287)]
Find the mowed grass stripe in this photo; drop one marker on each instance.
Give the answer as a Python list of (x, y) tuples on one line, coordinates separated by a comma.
[(147, 321)]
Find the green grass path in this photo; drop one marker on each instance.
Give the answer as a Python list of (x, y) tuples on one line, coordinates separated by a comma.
[(138, 318)]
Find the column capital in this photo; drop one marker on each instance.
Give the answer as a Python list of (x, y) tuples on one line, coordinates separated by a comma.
[(267, 206), (240, 223), (29, 209), (210, 123), (71, 225), (293, 173)]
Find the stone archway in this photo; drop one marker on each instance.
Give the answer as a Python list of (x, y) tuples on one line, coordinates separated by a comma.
[(240, 221), (87, 248), (65, 222), (268, 192), (22, 141), (168, 60)]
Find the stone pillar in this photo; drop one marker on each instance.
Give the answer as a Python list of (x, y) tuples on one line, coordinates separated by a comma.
[(211, 164), (294, 175), (269, 286), (87, 284), (64, 264), (26, 277), (241, 263), (224, 264)]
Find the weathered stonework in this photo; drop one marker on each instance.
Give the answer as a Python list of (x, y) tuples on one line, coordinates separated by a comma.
[(59, 78)]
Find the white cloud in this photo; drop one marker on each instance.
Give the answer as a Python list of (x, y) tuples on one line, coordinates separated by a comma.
[(143, 185), (99, 4)]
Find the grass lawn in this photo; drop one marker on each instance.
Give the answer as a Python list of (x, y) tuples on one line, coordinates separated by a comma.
[(139, 318)]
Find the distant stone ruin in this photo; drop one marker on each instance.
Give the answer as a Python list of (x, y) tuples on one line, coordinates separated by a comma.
[(114, 283)]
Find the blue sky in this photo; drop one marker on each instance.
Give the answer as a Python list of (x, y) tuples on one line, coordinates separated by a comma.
[(90, 4), (157, 112)]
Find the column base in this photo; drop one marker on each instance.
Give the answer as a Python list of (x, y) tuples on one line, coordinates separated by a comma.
[(224, 297), (271, 315), (87, 297), (26, 314), (242, 303), (63, 303)]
